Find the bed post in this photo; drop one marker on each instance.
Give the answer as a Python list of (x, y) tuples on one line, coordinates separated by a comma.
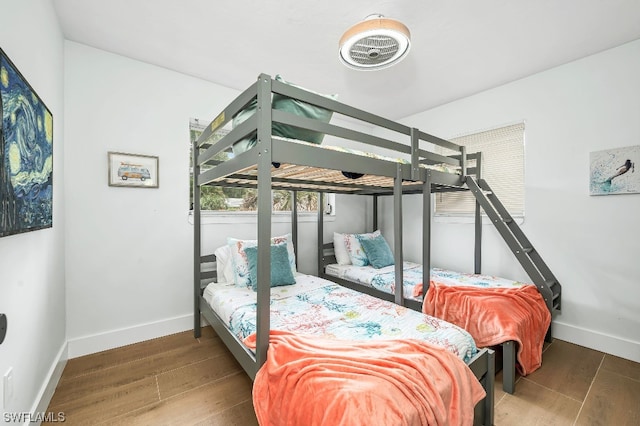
[(320, 233), (264, 218), (463, 161), (375, 213), (397, 235), (426, 234), (197, 267), (294, 223), (415, 154), (478, 221)]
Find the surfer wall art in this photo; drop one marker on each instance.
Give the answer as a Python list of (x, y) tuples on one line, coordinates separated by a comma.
[(613, 171), (26, 155)]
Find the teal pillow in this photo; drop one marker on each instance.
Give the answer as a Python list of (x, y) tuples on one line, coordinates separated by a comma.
[(292, 106), (377, 250), (281, 273), (303, 109)]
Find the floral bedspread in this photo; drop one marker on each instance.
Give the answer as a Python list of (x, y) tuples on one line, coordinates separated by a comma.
[(384, 279), (319, 307)]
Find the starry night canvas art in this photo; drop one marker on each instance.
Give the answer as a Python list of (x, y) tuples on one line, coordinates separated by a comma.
[(26, 155)]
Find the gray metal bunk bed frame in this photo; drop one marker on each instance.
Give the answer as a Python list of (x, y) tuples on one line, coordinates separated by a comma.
[(522, 248), (486, 200), (253, 169)]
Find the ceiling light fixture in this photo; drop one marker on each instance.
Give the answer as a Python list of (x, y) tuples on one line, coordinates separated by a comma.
[(375, 43)]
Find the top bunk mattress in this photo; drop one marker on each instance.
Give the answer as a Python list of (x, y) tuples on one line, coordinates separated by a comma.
[(315, 306)]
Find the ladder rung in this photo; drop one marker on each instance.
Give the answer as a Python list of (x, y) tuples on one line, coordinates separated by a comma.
[(527, 249), (508, 220), (556, 306), (551, 283)]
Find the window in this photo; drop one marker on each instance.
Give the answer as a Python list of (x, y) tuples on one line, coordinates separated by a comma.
[(502, 167), (216, 198)]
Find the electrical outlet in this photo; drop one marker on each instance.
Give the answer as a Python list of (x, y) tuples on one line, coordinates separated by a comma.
[(7, 382)]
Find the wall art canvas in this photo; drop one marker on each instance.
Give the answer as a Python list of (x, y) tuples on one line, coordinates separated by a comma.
[(26, 154), (613, 171), (133, 170)]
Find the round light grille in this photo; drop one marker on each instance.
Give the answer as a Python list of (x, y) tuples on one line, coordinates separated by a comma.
[(374, 43), (374, 50)]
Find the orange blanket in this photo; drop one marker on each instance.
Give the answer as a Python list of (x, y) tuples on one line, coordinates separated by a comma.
[(314, 381), (494, 316)]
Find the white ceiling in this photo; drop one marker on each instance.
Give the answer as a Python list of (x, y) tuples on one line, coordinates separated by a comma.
[(459, 47)]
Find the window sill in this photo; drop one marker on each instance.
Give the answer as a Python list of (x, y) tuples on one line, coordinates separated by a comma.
[(214, 218), (465, 219)]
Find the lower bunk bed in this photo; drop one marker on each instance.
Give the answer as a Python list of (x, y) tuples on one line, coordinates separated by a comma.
[(496, 311), (338, 356)]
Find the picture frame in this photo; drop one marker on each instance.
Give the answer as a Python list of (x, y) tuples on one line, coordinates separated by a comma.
[(133, 170), (612, 171), (26, 154)]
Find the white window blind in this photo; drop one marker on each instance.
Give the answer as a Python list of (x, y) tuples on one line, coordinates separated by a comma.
[(502, 167)]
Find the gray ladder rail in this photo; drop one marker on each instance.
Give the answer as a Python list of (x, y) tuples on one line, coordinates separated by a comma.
[(520, 246), (550, 279)]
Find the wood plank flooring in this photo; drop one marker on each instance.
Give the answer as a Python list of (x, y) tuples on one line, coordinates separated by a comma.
[(179, 380)]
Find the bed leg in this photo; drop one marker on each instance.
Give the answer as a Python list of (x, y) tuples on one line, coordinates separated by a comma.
[(483, 411), (197, 325), (490, 386), (547, 337), (509, 366)]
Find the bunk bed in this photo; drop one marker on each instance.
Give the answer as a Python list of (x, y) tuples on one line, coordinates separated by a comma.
[(283, 163), (522, 317)]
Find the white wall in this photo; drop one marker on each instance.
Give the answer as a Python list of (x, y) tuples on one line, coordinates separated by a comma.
[(129, 250), (590, 243), (32, 291)]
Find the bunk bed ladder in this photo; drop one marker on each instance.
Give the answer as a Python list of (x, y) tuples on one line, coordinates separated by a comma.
[(529, 258)]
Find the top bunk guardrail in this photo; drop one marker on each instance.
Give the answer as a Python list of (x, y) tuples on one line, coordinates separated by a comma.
[(210, 169)]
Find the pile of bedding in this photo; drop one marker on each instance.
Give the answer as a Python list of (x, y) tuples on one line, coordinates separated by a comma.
[(317, 381)]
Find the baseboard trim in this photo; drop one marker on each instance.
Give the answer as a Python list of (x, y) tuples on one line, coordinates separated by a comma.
[(125, 336), (613, 345), (51, 381)]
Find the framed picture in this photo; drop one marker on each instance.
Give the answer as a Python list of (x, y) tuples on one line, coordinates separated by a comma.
[(133, 170), (26, 154), (613, 171)]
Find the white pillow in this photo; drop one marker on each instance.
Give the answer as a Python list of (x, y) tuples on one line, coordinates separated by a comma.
[(224, 264), (354, 248), (340, 249)]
